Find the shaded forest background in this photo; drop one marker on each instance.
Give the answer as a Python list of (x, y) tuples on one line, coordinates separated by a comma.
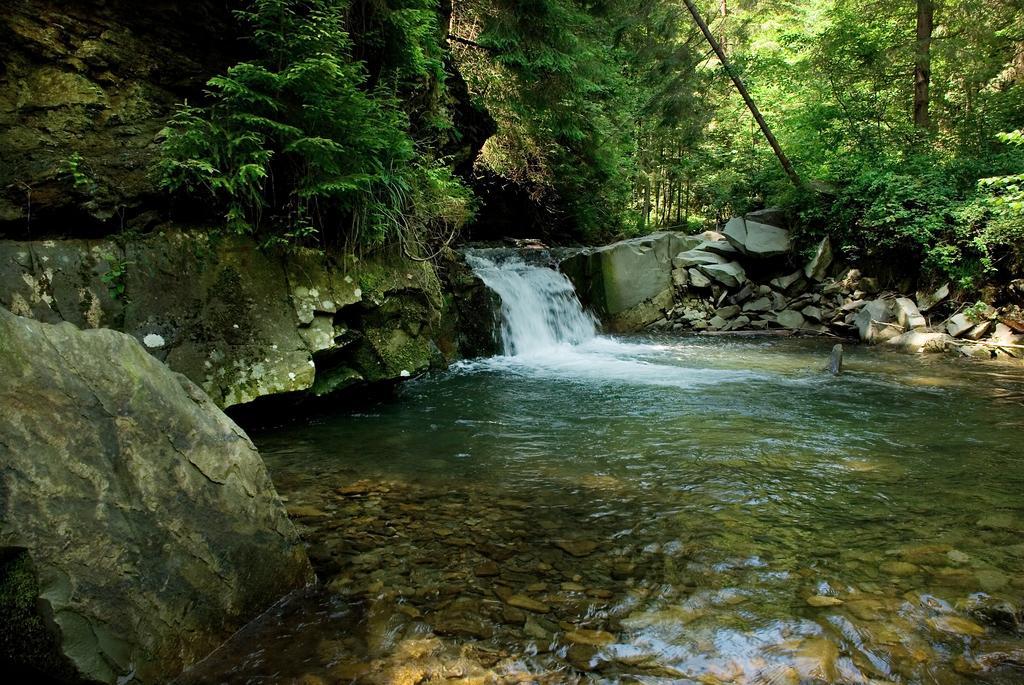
[(346, 123)]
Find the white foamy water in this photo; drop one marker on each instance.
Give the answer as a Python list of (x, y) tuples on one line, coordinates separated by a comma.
[(545, 332), (539, 307)]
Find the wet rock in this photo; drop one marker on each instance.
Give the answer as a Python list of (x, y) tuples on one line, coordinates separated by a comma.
[(533, 628), (815, 660), (898, 568), (583, 636), (582, 657), (462, 618), (835, 360), (487, 569), (823, 601), (957, 625), (577, 548), (524, 602), (998, 612), (756, 239), (623, 571), (817, 268)]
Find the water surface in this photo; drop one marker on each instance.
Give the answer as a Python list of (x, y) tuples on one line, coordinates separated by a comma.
[(656, 510)]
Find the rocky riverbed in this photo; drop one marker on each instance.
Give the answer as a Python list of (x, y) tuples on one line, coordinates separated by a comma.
[(479, 531)]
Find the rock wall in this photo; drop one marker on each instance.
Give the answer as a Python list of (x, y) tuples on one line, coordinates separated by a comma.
[(244, 324), (138, 525), (89, 84)]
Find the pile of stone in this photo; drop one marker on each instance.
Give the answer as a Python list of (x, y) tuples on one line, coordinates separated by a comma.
[(743, 279)]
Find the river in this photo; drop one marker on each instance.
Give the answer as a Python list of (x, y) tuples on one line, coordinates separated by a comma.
[(653, 509)]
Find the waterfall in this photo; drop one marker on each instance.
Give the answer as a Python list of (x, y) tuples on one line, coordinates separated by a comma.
[(539, 307)]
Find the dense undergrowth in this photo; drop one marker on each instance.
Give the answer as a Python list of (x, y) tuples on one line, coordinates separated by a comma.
[(615, 117)]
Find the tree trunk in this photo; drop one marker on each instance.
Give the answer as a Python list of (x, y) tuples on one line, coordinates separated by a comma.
[(787, 166), (723, 38), (923, 62)]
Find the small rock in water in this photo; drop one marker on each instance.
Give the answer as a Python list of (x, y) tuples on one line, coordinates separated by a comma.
[(898, 568), (524, 602), (487, 569), (577, 548), (597, 638), (956, 626), (823, 601), (835, 361)]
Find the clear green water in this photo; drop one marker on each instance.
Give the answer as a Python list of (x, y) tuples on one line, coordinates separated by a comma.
[(736, 514)]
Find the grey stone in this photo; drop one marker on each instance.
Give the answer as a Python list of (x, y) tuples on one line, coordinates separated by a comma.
[(145, 515), (916, 341), (817, 268), (618, 278), (835, 360), (698, 279), (757, 240), (719, 246), (717, 323), (730, 275), (761, 304), (907, 314), (743, 294), (869, 318), (239, 322), (729, 312), (790, 319), (680, 278), (784, 282), (812, 313), (958, 325), (773, 216), (739, 323), (697, 258), (928, 301)]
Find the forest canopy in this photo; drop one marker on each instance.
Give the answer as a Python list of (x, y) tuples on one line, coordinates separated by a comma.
[(902, 118)]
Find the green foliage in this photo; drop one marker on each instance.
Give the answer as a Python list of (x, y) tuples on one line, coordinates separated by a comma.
[(296, 145), (76, 171), (114, 276)]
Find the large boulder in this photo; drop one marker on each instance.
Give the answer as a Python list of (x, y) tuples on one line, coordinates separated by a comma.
[(873, 322), (139, 526), (757, 240), (627, 275)]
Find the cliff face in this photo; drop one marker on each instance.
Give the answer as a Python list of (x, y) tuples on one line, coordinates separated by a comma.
[(245, 324), (85, 88)]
